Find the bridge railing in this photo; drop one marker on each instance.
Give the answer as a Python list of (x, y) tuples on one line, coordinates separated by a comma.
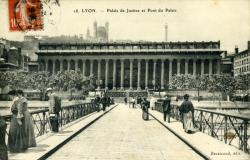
[(68, 114), (231, 128)]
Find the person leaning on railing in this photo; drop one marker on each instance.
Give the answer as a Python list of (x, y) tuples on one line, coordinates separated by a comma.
[(54, 109)]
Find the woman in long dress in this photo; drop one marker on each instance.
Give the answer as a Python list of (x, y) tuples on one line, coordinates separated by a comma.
[(28, 122), (187, 112), (3, 147), (17, 139)]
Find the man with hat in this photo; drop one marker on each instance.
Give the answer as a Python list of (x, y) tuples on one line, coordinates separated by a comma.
[(54, 109), (187, 112)]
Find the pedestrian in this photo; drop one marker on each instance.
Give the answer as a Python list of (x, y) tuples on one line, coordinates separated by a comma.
[(187, 112), (145, 106), (17, 141), (152, 102), (133, 102), (139, 100), (3, 146), (126, 100), (54, 109), (97, 102), (109, 101), (104, 102), (28, 122), (166, 108)]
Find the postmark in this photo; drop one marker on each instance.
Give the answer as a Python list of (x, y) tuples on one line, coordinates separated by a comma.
[(25, 15), (51, 13)]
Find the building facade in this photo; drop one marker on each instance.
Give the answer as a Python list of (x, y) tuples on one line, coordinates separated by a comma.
[(135, 65), (12, 57), (242, 62)]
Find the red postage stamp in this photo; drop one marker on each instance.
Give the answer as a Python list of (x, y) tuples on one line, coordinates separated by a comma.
[(25, 15)]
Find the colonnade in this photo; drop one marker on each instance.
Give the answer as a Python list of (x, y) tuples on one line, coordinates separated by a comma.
[(45, 63)]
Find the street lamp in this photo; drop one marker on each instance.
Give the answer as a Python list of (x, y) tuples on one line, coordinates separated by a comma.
[(198, 86)]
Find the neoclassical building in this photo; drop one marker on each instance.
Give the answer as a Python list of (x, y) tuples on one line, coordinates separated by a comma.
[(133, 65)]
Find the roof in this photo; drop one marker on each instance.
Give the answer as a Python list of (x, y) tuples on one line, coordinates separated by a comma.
[(241, 53)]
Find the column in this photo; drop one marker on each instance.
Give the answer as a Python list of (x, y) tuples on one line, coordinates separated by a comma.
[(218, 66), (53, 67), (146, 75), (99, 74), (122, 74), (68, 65), (178, 66), (91, 66), (170, 70), (210, 67), (194, 67), (61, 65), (154, 73), (114, 74), (76, 65), (186, 66), (139, 75), (202, 66), (83, 67), (106, 73), (46, 65), (162, 73), (131, 74)]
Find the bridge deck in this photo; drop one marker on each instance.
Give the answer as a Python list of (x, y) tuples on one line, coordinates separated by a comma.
[(122, 134)]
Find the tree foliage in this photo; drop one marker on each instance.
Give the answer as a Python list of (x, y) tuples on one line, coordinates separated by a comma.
[(224, 83), (185, 82), (65, 80)]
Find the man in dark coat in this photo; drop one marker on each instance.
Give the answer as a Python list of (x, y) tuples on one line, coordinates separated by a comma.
[(97, 102), (104, 102), (166, 108), (54, 109)]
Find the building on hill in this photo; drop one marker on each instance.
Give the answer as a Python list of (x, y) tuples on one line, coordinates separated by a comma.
[(100, 33)]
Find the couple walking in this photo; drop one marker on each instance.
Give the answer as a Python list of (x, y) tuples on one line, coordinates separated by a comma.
[(21, 132)]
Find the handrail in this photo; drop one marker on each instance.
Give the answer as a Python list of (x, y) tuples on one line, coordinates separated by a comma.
[(67, 114), (225, 114), (230, 128), (216, 112)]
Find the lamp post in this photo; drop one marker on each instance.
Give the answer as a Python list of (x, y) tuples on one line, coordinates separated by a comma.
[(198, 86)]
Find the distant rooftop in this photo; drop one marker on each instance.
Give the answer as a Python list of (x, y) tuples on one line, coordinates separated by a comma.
[(129, 45)]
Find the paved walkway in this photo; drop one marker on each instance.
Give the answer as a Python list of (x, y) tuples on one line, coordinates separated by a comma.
[(48, 142), (122, 134), (210, 147)]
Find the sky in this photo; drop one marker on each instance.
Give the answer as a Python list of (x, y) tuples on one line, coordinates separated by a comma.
[(193, 20)]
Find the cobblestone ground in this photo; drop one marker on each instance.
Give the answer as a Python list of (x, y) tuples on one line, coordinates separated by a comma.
[(122, 134)]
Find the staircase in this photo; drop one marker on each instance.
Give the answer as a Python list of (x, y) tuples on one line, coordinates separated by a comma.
[(128, 93)]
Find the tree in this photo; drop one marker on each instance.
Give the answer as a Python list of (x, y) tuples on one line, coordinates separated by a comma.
[(242, 84), (224, 83)]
